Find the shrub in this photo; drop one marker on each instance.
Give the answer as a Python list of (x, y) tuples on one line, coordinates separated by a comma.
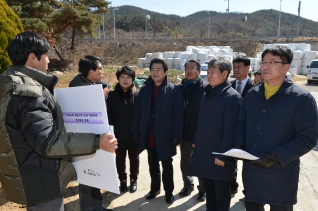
[(10, 26)]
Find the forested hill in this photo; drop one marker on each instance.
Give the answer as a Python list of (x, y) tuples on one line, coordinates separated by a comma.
[(259, 23)]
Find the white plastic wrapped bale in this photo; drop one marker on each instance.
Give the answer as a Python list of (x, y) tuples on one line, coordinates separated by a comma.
[(141, 62), (189, 48), (165, 54), (228, 57), (186, 55), (203, 61), (181, 63), (296, 63), (298, 54), (196, 50), (293, 46), (176, 61), (310, 55), (193, 56), (210, 56), (154, 55), (293, 71), (304, 71), (202, 56), (223, 52), (178, 54), (214, 50), (298, 70), (266, 46), (148, 55), (169, 61), (306, 62), (259, 55), (257, 67), (241, 54), (159, 55), (147, 62), (234, 54), (252, 60), (171, 54), (304, 47)]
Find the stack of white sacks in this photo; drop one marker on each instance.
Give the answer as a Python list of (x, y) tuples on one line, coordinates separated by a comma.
[(177, 59), (303, 56)]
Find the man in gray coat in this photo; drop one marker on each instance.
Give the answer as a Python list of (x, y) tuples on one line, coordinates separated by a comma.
[(278, 123)]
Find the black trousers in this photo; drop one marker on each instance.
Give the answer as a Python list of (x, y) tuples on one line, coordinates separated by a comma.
[(186, 154), (154, 170), (218, 194), (121, 163), (260, 207), (90, 198)]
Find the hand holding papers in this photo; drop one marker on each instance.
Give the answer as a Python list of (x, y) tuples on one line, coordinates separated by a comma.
[(238, 153), (108, 142)]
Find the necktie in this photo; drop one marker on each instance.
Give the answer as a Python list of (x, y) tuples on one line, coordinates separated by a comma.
[(239, 87)]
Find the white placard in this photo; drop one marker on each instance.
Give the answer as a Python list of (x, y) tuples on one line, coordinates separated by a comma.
[(238, 153), (84, 111)]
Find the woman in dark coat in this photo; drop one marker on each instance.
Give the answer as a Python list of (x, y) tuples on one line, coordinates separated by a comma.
[(120, 110)]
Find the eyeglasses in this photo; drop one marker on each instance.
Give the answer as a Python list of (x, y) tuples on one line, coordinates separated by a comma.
[(271, 63), (191, 69)]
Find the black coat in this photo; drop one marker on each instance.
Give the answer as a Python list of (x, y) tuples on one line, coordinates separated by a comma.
[(120, 114), (219, 109), (249, 84), (191, 110), (286, 124), (168, 117)]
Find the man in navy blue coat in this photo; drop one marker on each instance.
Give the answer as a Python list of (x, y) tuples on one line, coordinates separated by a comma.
[(219, 108), (157, 125), (278, 123)]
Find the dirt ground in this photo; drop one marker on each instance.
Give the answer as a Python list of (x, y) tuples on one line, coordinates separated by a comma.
[(127, 201)]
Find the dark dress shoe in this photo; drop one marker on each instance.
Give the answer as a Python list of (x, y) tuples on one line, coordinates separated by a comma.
[(152, 195), (169, 198), (104, 209), (133, 185), (123, 186), (186, 191), (201, 196)]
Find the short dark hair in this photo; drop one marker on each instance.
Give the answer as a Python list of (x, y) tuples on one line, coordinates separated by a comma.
[(244, 59), (211, 62), (127, 71), (88, 63), (224, 65), (159, 61), (25, 43), (195, 61), (258, 72), (283, 52)]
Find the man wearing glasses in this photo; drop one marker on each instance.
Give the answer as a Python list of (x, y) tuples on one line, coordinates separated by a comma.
[(278, 124)]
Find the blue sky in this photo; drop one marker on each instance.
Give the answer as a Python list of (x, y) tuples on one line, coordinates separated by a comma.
[(309, 8)]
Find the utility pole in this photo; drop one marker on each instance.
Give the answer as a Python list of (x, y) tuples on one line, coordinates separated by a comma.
[(209, 25), (246, 26), (280, 12), (146, 27), (114, 22), (298, 19), (228, 15)]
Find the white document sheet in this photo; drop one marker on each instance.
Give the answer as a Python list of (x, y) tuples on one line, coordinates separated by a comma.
[(84, 111), (238, 153)]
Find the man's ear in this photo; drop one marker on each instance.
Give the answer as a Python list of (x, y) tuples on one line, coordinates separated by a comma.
[(224, 74)]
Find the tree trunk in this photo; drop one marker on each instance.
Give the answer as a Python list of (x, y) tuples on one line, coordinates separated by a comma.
[(73, 38), (58, 54)]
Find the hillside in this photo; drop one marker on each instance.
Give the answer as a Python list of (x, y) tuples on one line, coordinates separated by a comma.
[(259, 23)]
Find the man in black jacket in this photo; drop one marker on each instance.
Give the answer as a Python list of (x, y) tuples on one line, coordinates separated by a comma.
[(192, 90), (157, 125), (241, 84), (91, 72), (34, 146)]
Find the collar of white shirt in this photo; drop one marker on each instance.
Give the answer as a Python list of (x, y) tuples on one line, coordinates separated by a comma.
[(244, 81)]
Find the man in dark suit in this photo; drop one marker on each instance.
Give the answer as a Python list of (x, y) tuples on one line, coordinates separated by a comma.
[(241, 84)]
